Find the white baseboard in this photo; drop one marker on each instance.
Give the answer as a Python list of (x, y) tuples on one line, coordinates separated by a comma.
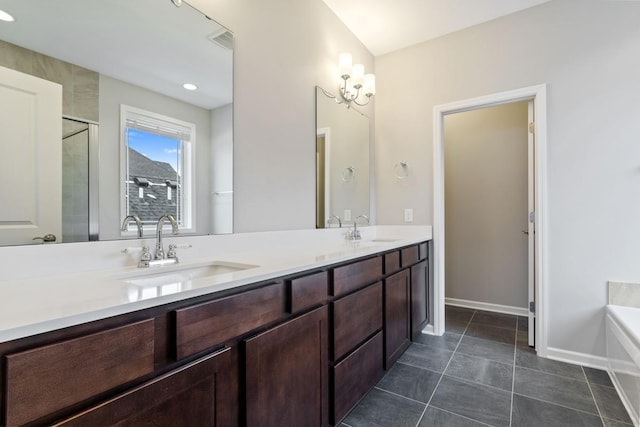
[(576, 358), (429, 330), (486, 306)]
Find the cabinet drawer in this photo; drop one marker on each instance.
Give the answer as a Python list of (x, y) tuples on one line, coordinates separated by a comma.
[(356, 275), (355, 317), (46, 379), (307, 291), (423, 251), (192, 395), (391, 262), (356, 375), (409, 256), (212, 323)]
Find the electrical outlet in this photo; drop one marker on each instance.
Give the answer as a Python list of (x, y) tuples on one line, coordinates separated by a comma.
[(347, 215), (408, 215)]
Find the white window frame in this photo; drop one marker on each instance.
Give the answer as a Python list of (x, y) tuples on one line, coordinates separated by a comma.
[(186, 168)]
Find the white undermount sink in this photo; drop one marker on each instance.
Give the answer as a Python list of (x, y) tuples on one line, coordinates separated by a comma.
[(383, 240), (160, 276)]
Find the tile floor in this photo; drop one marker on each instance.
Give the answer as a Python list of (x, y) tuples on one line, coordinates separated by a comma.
[(482, 373)]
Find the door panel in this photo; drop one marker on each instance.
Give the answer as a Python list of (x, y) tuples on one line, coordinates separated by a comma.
[(31, 161)]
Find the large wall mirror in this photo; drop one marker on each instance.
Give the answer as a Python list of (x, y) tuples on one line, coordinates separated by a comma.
[(109, 109), (342, 162)]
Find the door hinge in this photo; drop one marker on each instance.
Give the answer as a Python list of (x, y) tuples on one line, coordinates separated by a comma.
[(532, 127), (532, 217), (532, 307)]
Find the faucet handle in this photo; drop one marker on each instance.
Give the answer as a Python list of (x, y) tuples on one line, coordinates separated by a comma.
[(171, 253), (145, 257)]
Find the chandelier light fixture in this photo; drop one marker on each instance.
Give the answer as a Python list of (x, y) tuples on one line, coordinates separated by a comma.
[(354, 82)]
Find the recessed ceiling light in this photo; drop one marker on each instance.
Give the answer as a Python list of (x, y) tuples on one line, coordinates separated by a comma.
[(189, 86), (4, 16)]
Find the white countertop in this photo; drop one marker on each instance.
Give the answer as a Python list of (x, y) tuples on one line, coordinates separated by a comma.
[(48, 288)]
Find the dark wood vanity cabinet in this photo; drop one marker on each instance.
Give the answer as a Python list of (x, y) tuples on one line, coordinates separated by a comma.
[(286, 373), (193, 395), (299, 350), (397, 309), (419, 297)]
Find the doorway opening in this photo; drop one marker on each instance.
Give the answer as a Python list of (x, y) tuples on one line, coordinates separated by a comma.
[(538, 250)]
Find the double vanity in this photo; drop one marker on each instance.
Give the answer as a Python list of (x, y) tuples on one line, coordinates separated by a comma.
[(273, 328)]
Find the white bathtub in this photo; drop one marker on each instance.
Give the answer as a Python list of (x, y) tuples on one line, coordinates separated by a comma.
[(623, 355)]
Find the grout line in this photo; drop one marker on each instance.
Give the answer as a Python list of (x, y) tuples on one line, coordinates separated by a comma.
[(461, 416), (419, 367), (563, 377), (595, 402), (513, 372), (399, 395), (445, 368)]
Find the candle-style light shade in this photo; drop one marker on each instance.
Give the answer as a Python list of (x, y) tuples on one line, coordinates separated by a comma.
[(369, 87), (345, 62), (357, 76)]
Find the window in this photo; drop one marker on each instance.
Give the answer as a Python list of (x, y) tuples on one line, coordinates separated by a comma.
[(158, 166)]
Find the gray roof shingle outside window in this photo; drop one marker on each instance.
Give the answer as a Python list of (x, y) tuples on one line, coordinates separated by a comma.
[(155, 178)]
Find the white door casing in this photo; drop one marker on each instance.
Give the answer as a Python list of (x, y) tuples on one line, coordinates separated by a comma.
[(538, 94), (31, 161), (531, 276)]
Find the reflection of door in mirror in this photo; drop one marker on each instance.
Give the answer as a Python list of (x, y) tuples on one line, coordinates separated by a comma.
[(342, 174), (79, 180), (30, 165)]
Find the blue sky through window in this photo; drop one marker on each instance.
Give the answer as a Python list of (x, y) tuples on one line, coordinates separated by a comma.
[(156, 147)]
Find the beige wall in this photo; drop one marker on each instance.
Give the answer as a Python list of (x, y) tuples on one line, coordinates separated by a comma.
[(283, 49), (588, 53), (486, 205)]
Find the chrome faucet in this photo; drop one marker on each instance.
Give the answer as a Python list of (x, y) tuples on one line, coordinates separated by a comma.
[(355, 233), (174, 229), (337, 218), (136, 218)]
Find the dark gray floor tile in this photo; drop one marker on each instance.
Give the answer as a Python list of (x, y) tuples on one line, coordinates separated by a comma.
[(498, 320), (456, 319), (527, 359), (614, 423), (380, 408), (597, 376), (475, 401), (491, 350), (481, 371), (422, 356), (434, 417), (448, 341), (452, 309), (523, 323), (409, 381), (506, 336), (609, 403), (535, 413), (554, 389)]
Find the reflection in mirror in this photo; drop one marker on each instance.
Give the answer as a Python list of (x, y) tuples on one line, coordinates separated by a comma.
[(82, 62), (342, 162)]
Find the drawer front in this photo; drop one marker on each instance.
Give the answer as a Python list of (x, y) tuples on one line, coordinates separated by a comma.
[(307, 291), (193, 395), (409, 256), (391, 262), (356, 275), (205, 325), (356, 375), (46, 379), (355, 317), (423, 251)]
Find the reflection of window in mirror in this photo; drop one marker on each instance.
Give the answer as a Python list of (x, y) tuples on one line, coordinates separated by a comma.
[(159, 167)]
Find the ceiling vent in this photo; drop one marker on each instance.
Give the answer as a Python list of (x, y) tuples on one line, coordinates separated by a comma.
[(222, 38)]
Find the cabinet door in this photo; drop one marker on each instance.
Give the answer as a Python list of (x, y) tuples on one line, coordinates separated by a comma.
[(419, 297), (397, 335), (193, 395), (287, 373)]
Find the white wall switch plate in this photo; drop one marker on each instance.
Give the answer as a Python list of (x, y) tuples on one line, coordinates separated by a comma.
[(347, 215), (408, 215)]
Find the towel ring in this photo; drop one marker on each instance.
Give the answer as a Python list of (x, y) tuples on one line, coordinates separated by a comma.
[(401, 170)]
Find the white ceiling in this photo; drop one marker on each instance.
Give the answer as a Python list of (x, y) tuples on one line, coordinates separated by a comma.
[(149, 43), (387, 25)]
